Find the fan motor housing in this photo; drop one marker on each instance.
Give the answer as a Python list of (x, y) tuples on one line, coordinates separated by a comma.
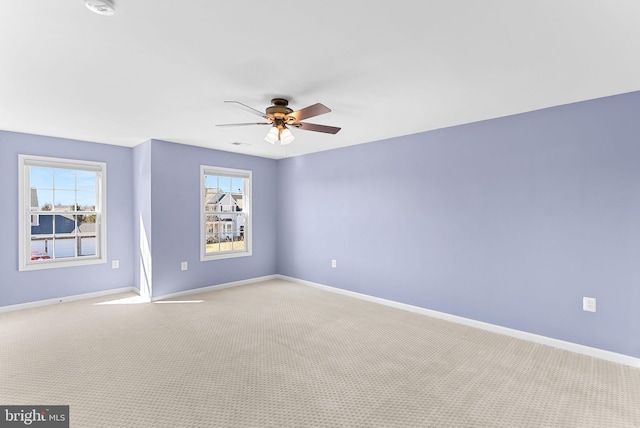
[(279, 108)]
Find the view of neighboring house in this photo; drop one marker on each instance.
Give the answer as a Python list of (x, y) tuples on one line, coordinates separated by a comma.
[(224, 218), (60, 225)]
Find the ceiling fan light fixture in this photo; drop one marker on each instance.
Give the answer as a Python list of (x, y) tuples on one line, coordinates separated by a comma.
[(286, 137), (280, 117), (273, 135)]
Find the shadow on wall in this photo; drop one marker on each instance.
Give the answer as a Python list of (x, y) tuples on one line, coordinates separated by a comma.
[(146, 284)]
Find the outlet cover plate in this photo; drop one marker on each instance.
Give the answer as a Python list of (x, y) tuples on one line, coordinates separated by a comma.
[(589, 304)]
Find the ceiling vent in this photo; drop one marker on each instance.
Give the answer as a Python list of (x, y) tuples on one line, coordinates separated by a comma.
[(101, 7)]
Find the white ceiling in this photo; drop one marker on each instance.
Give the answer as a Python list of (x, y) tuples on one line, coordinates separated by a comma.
[(162, 69)]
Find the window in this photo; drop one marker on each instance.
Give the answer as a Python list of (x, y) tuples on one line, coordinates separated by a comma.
[(225, 214), (62, 204)]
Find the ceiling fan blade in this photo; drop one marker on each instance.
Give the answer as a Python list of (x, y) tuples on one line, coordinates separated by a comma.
[(317, 128), (245, 124), (247, 108), (311, 111)]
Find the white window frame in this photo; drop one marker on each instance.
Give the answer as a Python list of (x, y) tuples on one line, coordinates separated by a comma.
[(246, 175), (25, 215)]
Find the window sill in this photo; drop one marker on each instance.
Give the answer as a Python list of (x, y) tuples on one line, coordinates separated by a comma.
[(61, 264), (223, 256)]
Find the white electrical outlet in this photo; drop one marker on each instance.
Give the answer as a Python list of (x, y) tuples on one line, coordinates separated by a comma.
[(184, 266), (115, 264), (589, 304), (333, 263)]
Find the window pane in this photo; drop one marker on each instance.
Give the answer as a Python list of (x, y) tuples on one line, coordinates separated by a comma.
[(41, 177), (40, 248), (87, 246), (86, 180), (63, 224), (87, 225), (236, 185), (64, 247), (211, 181), (86, 200), (210, 224), (64, 179), (64, 200), (225, 242), (212, 245), (224, 183), (44, 226), (41, 199), (238, 242), (39, 245)]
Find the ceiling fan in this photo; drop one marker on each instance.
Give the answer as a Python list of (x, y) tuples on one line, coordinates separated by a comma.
[(280, 117)]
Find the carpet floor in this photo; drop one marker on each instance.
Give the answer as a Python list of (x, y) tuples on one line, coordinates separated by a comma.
[(279, 354)]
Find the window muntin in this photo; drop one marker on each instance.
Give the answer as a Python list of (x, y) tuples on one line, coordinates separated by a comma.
[(62, 205), (225, 213)]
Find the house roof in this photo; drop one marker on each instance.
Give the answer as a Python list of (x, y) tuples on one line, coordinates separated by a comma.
[(213, 197), (163, 69), (87, 228)]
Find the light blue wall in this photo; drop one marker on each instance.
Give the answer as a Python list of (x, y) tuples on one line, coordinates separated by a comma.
[(175, 230), (20, 287), (509, 221)]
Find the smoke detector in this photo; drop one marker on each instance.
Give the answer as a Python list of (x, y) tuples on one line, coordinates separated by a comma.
[(101, 7)]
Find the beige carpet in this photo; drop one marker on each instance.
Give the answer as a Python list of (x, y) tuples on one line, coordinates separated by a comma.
[(277, 354)]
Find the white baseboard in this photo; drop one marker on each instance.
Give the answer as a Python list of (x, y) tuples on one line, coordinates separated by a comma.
[(518, 334), (74, 298), (86, 296), (214, 287)]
